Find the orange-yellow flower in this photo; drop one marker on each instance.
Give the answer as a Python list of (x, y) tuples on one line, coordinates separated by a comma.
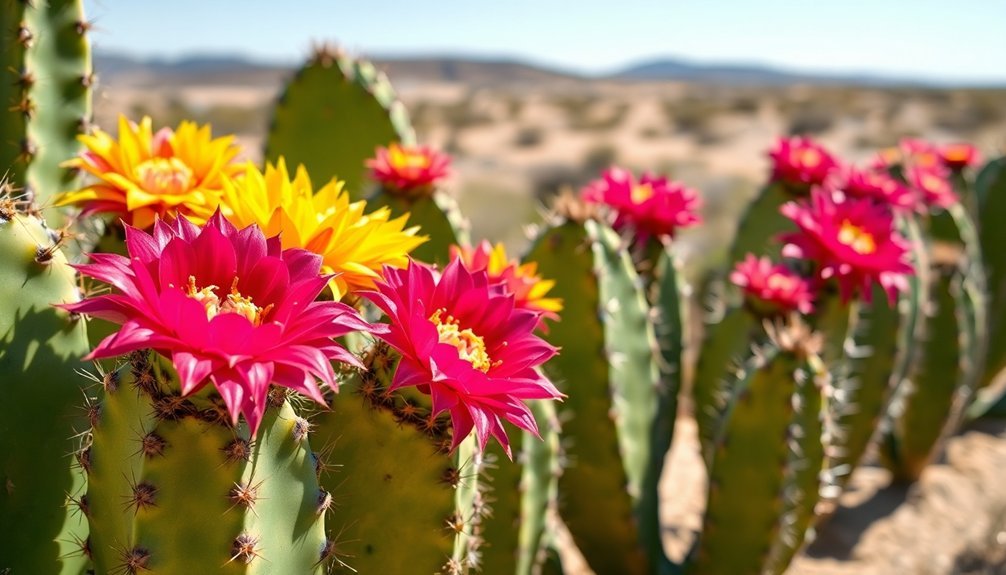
[(353, 244), (521, 280), (409, 170), (143, 174)]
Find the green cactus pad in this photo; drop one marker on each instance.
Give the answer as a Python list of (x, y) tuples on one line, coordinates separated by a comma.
[(59, 59), (990, 190), (608, 367), (41, 414), (519, 494), (728, 339), (760, 223), (939, 385), (14, 85), (332, 117), (174, 489), (436, 215), (402, 503), (756, 494)]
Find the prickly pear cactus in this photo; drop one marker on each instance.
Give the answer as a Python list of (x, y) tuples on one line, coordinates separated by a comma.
[(764, 478), (608, 495), (333, 115), (47, 98), (40, 393), (173, 488), (402, 503), (437, 214)]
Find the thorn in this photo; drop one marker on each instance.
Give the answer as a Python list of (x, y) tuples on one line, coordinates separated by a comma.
[(244, 549), (238, 449), (132, 561)]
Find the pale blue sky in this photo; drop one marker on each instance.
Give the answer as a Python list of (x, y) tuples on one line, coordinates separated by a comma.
[(963, 40)]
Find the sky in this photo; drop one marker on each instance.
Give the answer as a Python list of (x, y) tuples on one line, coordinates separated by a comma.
[(938, 40)]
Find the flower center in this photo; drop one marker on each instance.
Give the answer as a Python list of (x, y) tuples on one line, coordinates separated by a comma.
[(932, 184), (471, 347), (235, 302), (641, 193), (166, 176), (407, 160), (810, 158), (860, 240), (779, 282)]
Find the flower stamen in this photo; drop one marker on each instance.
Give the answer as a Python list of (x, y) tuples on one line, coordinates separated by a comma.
[(471, 347), (861, 241), (235, 302), (164, 176)]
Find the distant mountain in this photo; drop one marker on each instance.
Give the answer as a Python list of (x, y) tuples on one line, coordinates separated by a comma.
[(744, 74), (237, 70)]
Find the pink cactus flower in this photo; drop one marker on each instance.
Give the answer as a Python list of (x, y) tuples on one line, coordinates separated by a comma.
[(465, 344), (800, 163), (227, 306), (653, 206), (410, 170), (959, 156), (920, 153), (877, 186), (932, 185), (772, 289), (850, 239)]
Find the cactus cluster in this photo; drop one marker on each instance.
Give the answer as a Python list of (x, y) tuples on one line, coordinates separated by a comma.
[(297, 380)]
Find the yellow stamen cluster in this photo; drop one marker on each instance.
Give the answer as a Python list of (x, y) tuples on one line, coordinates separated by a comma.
[(401, 158), (235, 302), (641, 192), (471, 347), (810, 158), (164, 176), (861, 241)]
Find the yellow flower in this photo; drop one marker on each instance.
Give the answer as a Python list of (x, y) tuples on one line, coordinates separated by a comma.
[(142, 174), (351, 243)]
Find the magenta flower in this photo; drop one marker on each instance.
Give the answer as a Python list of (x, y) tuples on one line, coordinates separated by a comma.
[(464, 343), (877, 186), (959, 156), (932, 185), (653, 206), (227, 307), (850, 239), (772, 289), (800, 163)]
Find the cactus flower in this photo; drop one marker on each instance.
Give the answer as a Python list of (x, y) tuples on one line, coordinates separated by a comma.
[(465, 344), (144, 175), (521, 280), (879, 187), (934, 189), (921, 153), (772, 289), (959, 156), (410, 170), (228, 307), (353, 244), (651, 206), (799, 163), (850, 239)]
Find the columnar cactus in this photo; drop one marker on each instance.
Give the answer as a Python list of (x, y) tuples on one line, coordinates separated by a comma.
[(40, 415)]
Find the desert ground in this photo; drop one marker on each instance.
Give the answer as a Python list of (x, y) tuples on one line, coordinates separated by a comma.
[(515, 144)]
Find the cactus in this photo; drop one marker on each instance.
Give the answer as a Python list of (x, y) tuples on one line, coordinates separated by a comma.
[(941, 381), (436, 214), (520, 495), (174, 488), (762, 491), (867, 376), (49, 101), (608, 361), (333, 115), (760, 223), (40, 349), (990, 192), (402, 503)]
